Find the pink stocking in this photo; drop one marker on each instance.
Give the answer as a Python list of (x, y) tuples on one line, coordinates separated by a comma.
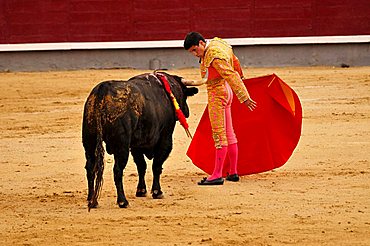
[(219, 163), (233, 158)]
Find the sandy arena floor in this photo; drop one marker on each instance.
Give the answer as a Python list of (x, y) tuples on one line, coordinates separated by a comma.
[(321, 196)]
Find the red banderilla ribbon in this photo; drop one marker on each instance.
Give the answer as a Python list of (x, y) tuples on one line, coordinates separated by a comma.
[(180, 115)]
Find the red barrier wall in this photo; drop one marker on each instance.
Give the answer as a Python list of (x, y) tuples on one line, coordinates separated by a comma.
[(36, 21)]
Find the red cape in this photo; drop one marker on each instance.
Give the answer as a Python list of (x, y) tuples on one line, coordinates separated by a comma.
[(266, 136)]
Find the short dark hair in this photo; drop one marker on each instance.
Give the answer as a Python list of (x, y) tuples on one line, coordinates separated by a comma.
[(192, 38)]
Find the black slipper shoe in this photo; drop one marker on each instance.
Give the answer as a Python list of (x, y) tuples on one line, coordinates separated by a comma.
[(233, 177), (205, 181)]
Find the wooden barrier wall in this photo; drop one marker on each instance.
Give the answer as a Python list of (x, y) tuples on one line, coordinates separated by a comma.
[(44, 21)]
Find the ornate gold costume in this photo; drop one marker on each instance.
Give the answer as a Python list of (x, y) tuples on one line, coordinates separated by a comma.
[(219, 66)]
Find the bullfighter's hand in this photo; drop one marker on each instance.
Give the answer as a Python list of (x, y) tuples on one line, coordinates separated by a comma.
[(252, 105)]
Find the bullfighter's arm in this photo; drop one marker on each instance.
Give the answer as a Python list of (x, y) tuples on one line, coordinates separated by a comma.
[(232, 77)]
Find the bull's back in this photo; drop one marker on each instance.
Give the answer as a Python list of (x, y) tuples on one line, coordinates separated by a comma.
[(110, 100), (138, 109)]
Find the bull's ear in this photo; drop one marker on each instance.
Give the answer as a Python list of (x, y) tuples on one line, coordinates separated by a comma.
[(191, 91)]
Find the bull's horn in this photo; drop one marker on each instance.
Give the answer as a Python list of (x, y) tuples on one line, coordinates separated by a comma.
[(187, 82)]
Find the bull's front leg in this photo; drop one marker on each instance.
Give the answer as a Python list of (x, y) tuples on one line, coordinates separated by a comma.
[(120, 161), (160, 155), (141, 169)]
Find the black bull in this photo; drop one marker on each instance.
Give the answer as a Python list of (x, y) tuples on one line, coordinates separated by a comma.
[(135, 115)]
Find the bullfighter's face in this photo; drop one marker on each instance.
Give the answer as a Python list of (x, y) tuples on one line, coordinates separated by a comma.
[(198, 50)]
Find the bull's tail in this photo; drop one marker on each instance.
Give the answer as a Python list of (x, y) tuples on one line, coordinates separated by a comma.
[(99, 158)]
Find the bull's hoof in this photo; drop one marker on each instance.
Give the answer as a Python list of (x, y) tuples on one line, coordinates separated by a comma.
[(123, 204), (157, 194), (91, 204), (141, 192)]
